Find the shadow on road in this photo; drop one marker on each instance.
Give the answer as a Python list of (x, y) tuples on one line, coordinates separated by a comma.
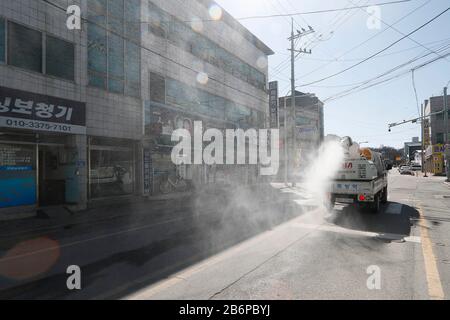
[(351, 217), (216, 224)]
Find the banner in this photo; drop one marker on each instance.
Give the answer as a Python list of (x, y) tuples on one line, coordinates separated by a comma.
[(273, 104)]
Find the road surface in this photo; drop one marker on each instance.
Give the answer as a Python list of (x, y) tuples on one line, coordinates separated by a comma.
[(236, 253)]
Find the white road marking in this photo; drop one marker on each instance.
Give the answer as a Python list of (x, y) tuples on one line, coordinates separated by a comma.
[(336, 229), (394, 208)]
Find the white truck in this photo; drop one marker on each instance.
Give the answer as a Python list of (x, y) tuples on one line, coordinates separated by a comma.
[(362, 179)]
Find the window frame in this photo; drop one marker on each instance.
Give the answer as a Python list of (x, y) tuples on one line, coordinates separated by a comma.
[(46, 35), (150, 86), (123, 38), (44, 51), (8, 59), (5, 39)]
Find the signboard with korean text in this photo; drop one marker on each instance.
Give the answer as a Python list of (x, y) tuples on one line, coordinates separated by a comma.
[(273, 103), (26, 110)]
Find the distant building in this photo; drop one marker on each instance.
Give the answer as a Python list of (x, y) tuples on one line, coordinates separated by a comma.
[(309, 122), (434, 134), (411, 148)]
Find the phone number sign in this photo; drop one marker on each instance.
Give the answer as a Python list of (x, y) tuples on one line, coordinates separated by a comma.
[(26, 110)]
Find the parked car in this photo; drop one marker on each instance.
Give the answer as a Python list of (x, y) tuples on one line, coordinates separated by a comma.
[(416, 167), (406, 170)]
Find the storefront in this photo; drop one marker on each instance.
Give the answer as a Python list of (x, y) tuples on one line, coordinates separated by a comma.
[(434, 159), (160, 121), (41, 150), (112, 167)]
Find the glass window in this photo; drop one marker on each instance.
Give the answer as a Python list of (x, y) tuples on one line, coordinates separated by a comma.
[(115, 16), (115, 85), (17, 175), (60, 58), (157, 88), (2, 40), (132, 69), (113, 64), (439, 138), (115, 56), (24, 47), (133, 19), (112, 172), (97, 56), (97, 48)]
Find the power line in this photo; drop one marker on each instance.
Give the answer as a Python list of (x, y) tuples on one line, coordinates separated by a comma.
[(367, 40), (380, 51), (395, 29), (379, 56), (318, 11), (154, 52), (415, 91), (352, 90), (348, 92)]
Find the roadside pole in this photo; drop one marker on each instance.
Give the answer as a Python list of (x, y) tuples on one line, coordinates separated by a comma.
[(446, 140), (285, 145), (292, 122), (423, 142)]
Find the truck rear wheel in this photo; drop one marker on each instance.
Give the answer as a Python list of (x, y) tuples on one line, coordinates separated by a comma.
[(384, 197), (375, 206)]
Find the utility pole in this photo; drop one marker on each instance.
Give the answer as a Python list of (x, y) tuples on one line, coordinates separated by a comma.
[(292, 122), (447, 151), (422, 123)]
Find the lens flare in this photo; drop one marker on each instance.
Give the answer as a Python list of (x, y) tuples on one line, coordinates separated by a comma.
[(202, 78), (215, 12), (197, 24)]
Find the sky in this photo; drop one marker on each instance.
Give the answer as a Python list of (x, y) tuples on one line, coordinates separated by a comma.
[(364, 115)]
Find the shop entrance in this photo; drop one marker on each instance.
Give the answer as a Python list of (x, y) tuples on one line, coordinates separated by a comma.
[(57, 175), (51, 177)]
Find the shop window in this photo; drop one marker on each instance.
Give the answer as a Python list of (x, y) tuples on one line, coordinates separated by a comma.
[(111, 172), (17, 175), (60, 58), (157, 88), (24, 47), (2, 40)]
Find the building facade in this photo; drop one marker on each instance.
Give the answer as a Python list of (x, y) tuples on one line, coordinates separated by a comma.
[(86, 115), (309, 124), (411, 148), (434, 133)]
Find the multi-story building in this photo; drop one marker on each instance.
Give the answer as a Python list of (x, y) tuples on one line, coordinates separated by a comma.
[(86, 115), (309, 123), (411, 148), (434, 133)]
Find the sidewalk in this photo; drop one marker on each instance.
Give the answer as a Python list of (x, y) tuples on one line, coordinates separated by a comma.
[(139, 206), (105, 212)]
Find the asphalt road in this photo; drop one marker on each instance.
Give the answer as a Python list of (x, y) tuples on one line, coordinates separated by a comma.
[(335, 255), (243, 248)]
